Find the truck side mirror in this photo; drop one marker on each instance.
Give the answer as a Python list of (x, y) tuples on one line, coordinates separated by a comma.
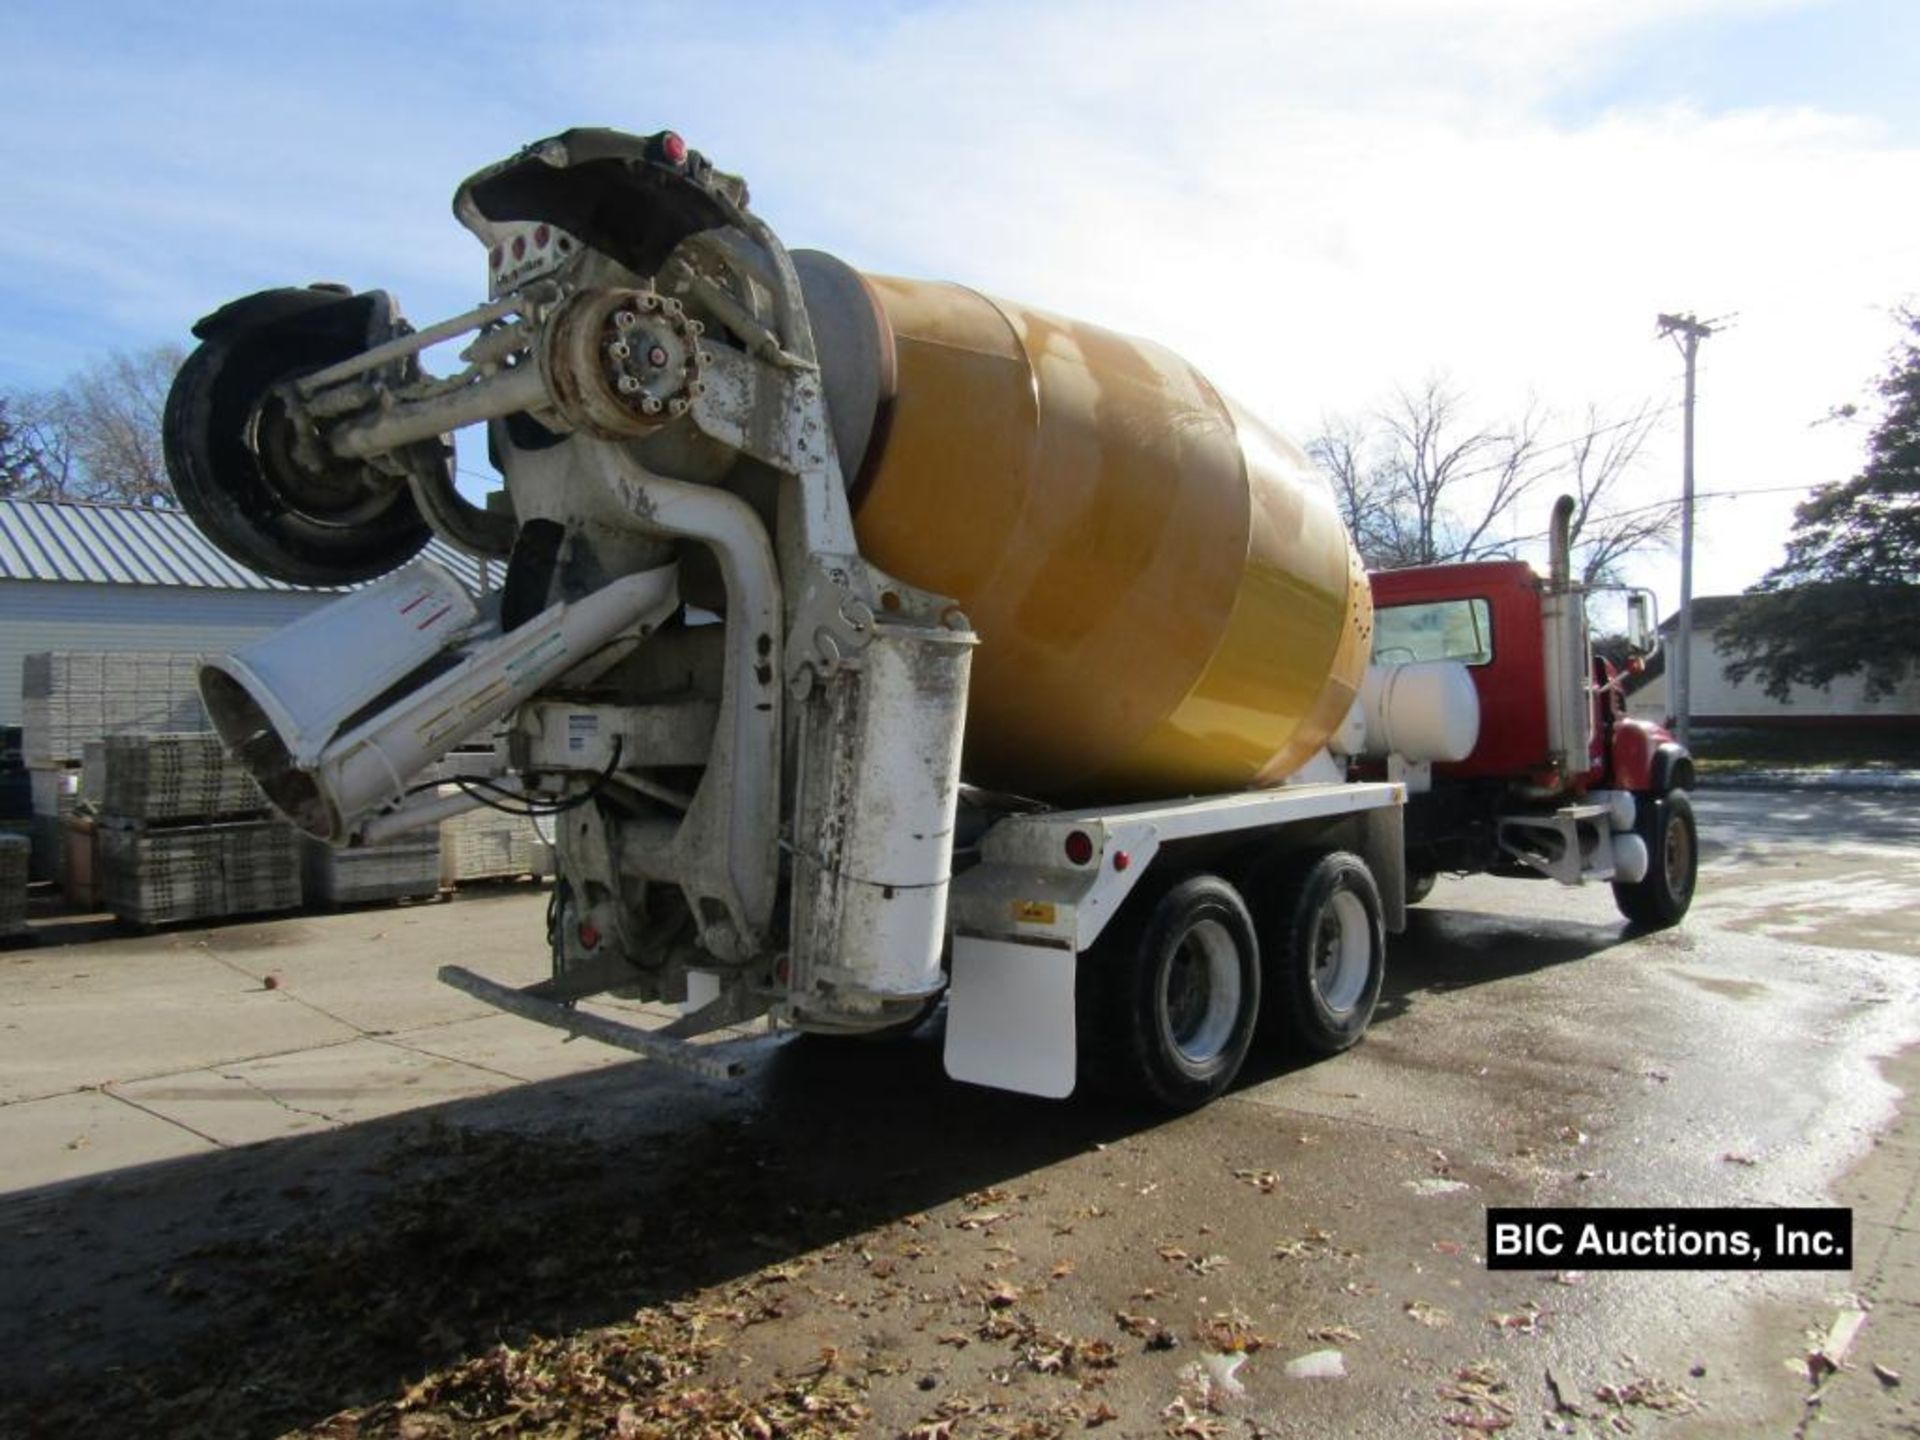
[(1641, 637)]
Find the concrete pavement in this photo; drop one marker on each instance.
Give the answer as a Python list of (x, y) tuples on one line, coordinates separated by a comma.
[(934, 1237), (139, 1049)]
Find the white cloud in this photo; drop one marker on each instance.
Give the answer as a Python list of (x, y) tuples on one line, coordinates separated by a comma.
[(1312, 202)]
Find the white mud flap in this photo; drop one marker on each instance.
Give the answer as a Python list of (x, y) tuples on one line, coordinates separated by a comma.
[(1010, 1016)]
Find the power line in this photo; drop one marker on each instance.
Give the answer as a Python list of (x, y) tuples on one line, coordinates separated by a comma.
[(1641, 417), (1633, 510)]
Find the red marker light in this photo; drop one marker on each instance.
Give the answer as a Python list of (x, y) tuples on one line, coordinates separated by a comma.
[(496, 256), (541, 235), (519, 247), (673, 148), (1079, 846), (589, 935), (1121, 860)]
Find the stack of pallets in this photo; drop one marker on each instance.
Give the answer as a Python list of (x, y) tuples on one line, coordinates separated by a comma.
[(14, 850), (155, 875), (173, 777), (484, 844), (71, 698), (404, 867), (183, 834)]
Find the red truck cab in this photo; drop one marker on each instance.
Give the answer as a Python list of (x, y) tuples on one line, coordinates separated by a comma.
[(1487, 615), (1561, 780)]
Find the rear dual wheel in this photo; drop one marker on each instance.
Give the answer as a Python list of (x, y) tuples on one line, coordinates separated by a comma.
[(1170, 995), (1324, 936)]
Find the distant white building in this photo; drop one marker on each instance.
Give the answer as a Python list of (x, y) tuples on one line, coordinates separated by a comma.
[(1716, 700), (130, 577)]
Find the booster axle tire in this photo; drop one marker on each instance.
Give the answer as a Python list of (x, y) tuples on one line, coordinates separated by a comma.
[(230, 447)]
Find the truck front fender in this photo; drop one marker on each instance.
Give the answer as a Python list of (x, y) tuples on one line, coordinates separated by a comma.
[(1672, 769)]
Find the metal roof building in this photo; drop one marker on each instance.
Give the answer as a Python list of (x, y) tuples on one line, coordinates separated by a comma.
[(129, 577)]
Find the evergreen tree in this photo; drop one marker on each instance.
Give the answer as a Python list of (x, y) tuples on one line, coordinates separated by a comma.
[(1846, 600)]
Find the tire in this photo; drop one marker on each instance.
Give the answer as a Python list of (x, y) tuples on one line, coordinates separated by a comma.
[(1419, 887), (229, 459), (1673, 863), (1326, 947), (1171, 995)]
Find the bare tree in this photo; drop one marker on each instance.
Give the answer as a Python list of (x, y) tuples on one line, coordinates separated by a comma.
[(1605, 533), (97, 436), (1342, 449), (36, 458), (1418, 483)]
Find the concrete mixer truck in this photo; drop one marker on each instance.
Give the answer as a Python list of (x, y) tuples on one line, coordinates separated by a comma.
[(866, 643)]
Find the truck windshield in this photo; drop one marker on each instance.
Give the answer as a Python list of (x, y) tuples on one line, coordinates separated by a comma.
[(1439, 630)]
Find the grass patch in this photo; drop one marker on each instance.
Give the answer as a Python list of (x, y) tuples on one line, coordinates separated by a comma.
[(1732, 750)]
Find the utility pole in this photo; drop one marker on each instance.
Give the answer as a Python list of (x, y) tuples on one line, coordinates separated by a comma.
[(1687, 333)]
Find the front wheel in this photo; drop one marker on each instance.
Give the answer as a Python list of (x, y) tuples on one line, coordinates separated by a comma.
[(1326, 946), (1174, 996), (1662, 898)]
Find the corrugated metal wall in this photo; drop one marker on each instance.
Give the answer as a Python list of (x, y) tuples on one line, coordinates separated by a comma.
[(58, 615)]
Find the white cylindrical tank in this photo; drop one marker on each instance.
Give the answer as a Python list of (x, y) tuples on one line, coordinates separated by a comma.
[(1426, 711)]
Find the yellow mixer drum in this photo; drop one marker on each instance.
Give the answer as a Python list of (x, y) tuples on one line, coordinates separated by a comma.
[(1166, 599)]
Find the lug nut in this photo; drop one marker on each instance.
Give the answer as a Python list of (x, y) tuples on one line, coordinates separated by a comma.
[(628, 385), (619, 350), (625, 319)]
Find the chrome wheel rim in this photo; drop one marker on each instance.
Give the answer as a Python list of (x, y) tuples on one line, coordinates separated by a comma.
[(1342, 953), (1200, 993)]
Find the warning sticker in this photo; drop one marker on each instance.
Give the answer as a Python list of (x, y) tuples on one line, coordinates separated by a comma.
[(583, 729), (1033, 912)]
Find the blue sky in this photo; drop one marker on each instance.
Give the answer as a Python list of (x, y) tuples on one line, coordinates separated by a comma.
[(1844, 58), (1315, 202)]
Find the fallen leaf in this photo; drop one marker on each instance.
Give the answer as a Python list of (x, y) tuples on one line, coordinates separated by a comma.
[(1331, 1334), (1523, 1322)]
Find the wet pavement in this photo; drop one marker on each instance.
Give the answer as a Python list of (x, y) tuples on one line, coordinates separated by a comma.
[(240, 1209)]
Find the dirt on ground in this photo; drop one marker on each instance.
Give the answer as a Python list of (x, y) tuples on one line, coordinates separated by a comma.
[(844, 1242)]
